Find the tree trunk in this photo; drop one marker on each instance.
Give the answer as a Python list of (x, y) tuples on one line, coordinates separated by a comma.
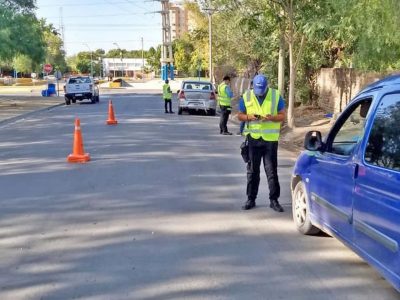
[(292, 80), (281, 65), (292, 70)]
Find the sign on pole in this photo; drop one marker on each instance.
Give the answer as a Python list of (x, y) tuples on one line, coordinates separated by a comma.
[(58, 75), (47, 68)]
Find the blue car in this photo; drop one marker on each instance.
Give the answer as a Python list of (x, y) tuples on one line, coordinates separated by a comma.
[(348, 184)]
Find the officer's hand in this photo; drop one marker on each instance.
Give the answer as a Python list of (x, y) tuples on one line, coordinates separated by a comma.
[(251, 118), (268, 118)]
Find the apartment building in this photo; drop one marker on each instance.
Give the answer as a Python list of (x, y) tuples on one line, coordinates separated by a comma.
[(180, 20)]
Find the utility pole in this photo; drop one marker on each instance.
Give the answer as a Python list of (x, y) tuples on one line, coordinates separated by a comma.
[(120, 55), (91, 59), (210, 65), (166, 52), (142, 59), (61, 29)]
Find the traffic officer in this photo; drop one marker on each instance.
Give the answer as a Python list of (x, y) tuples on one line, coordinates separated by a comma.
[(167, 95), (224, 99), (263, 110)]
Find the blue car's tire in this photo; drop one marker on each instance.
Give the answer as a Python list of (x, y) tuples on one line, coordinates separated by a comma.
[(301, 210)]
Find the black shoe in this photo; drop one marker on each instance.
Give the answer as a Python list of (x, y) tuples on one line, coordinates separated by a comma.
[(249, 205), (227, 133), (221, 132), (276, 206), (171, 112), (166, 112)]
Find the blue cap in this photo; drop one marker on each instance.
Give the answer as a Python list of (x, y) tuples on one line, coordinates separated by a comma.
[(260, 85)]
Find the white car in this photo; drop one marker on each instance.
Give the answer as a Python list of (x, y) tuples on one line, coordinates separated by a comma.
[(80, 88), (197, 96)]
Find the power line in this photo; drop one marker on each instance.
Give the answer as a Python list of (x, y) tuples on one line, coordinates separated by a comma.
[(112, 41), (108, 25), (83, 4), (96, 16)]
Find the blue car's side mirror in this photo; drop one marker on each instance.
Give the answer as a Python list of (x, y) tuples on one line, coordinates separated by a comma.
[(313, 141)]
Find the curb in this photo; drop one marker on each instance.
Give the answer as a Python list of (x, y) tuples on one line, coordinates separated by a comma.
[(27, 114)]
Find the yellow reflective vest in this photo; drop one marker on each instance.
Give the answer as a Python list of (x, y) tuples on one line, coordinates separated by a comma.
[(267, 130), (223, 98), (167, 94)]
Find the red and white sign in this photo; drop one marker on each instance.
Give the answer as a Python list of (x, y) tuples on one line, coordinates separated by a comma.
[(47, 68)]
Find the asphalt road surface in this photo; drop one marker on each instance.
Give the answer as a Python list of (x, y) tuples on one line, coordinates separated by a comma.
[(154, 215)]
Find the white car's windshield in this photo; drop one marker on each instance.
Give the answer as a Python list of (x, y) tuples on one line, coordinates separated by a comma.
[(196, 86), (80, 80)]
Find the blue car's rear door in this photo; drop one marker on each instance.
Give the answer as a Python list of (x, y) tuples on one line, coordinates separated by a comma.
[(376, 198)]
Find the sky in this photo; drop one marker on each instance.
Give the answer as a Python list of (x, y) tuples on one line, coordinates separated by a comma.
[(95, 24)]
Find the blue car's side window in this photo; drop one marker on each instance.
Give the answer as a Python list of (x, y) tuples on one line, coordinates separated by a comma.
[(383, 148), (351, 130)]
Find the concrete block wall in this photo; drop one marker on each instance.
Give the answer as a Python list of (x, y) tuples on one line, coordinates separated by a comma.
[(337, 86)]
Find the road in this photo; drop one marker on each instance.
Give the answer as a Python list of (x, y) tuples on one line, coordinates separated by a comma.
[(154, 215)]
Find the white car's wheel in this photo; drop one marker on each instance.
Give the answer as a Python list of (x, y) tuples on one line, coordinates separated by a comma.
[(301, 210)]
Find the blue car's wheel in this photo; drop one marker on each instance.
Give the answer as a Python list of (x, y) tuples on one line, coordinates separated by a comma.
[(301, 210)]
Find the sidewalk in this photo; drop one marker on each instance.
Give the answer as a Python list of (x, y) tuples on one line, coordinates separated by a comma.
[(13, 107)]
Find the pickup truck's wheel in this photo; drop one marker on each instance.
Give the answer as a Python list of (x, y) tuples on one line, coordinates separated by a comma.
[(301, 210), (73, 100), (179, 111), (211, 112), (93, 99), (67, 101)]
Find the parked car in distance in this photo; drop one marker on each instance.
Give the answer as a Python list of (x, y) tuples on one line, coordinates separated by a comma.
[(50, 78), (349, 183), (197, 96), (80, 88)]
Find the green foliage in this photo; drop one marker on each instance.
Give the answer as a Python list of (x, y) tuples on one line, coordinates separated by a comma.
[(21, 33), (153, 57), (55, 55), (183, 49), (23, 64), (118, 53), (19, 5)]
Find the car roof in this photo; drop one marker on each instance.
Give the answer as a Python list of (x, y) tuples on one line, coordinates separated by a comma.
[(196, 81), (387, 81)]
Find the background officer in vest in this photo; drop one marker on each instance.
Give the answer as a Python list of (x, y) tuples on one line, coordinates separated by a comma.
[(167, 95), (263, 110), (224, 99)]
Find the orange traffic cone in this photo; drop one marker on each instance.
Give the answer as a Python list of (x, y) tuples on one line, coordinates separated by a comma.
[(78, 155), (111, 118)]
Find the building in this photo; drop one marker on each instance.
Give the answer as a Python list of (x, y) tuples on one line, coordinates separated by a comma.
[(123, 67), (179, 20)]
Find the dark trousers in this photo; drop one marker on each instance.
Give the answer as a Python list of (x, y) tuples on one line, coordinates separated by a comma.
[(168, 102), (223, 120), (268, 153)]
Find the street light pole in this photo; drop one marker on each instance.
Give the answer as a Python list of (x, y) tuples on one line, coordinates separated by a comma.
[(210, 45), (142, 60), (120, 55), (91, 59), (210, 66)]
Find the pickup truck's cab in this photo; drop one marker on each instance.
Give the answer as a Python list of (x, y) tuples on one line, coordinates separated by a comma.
[(349, 183), (80, 88)]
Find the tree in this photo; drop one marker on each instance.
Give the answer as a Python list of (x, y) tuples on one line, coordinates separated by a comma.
[(20, 32), (22, 64), (19, 5), (183, 49), (55, 55), (154, 58)]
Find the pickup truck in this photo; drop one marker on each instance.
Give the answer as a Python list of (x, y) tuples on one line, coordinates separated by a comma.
[(80, 88)]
